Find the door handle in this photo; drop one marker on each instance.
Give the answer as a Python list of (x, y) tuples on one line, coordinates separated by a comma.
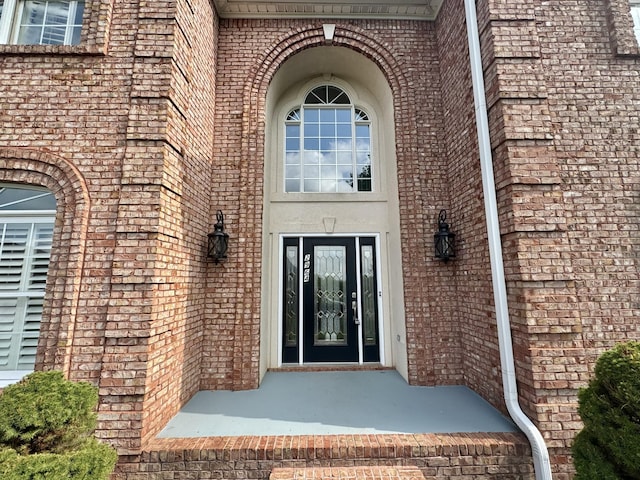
[(354, 307)]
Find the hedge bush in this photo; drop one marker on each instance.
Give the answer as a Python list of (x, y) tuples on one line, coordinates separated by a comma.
[(46, 431), (608, 447), (91, 461)]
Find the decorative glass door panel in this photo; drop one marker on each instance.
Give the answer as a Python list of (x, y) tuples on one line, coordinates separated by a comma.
[(330, 308), (369, 300), (291, 301), (330, 297), (330, 332)]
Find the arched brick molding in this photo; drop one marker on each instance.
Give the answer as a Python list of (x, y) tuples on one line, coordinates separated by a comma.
[(251, 163), (36, 167)]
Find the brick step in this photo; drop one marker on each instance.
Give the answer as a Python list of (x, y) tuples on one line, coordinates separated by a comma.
[(347, 473), (438, 456)]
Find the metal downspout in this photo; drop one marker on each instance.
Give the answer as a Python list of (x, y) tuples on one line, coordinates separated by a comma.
[(541, 461)]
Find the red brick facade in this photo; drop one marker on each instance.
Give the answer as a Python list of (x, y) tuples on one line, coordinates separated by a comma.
[(158, 119)]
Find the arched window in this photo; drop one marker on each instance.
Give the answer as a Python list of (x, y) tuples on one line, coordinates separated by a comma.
[(327, 144)]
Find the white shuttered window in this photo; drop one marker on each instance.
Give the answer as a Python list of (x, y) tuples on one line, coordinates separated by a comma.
[(24, 259), (26, 232)]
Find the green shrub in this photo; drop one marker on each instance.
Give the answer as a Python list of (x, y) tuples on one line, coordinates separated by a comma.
[(608, 447), (92, 461), (46, 431), (46, 413)]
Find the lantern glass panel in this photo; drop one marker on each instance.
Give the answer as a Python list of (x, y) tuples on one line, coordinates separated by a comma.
[(444, 245), (218, 243)]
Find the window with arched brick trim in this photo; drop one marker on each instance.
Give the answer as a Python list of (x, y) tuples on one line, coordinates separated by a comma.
[(26, 235)]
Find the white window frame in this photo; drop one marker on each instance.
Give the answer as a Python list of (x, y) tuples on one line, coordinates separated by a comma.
[(11, 14), (635, 16)]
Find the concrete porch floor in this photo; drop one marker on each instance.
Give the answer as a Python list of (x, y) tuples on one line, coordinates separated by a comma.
[(336, 403)]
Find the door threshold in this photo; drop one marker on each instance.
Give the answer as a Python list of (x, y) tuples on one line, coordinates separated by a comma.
[(330, 367)]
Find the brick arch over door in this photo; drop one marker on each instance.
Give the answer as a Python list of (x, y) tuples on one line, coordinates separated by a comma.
[(34, 167), (245, 362)]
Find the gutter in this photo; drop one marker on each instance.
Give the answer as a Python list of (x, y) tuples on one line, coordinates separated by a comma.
[(541, 461)]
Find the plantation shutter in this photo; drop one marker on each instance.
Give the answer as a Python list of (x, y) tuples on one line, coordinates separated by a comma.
[(25, 248)]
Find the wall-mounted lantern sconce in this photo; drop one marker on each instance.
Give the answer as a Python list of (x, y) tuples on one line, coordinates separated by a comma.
[(444, 239), (218, 240)]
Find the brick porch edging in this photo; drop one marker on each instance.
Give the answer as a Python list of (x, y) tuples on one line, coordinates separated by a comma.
[(347, 473), (461, 456)]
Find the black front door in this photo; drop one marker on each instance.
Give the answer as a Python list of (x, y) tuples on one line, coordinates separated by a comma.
[(321, 315), (329, 288)]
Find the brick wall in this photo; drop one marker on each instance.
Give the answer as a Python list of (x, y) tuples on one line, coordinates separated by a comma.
[(563, 107), (473, 300), (157, 121), (250, 51), (163, 218), (120, 129), (64, 115), (594, 107)]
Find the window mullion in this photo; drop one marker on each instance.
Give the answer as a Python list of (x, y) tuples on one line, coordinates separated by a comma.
[(354, 160), (44, 22), (68, 33)]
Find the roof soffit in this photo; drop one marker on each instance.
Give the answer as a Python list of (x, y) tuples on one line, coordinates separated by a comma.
[(395, 9)]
